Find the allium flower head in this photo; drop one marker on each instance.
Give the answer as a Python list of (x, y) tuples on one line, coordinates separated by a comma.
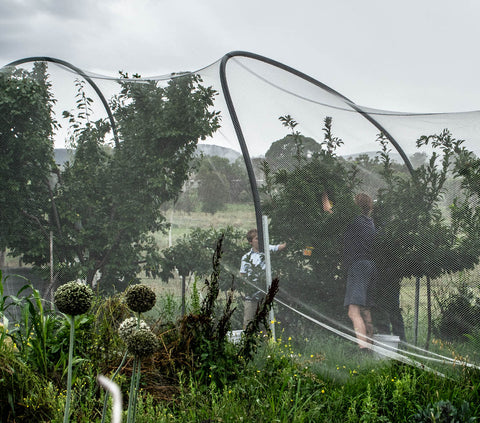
[(129, 327), (142, 343), (73, 298), (140, 298)]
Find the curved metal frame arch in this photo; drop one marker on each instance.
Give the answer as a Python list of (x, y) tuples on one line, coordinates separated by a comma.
[(83, 75), (241, 138)]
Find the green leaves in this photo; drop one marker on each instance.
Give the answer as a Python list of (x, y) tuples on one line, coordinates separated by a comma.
[(193, 253), (415, 237), (293, 202), (26, 155), (330, 142), (103, 207)]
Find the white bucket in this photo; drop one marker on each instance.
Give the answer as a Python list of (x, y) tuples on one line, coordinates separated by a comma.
[(383, 344), (250, 308), (235, 336)]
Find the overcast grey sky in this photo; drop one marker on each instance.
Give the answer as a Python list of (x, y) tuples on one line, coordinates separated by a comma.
[(409, 55)]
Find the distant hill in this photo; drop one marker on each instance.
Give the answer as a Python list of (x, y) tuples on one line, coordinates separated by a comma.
[(63, 155)]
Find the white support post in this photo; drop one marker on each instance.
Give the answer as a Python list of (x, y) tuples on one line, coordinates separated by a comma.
[(170, 229), (416, 308), (51, 258), (268, 269)]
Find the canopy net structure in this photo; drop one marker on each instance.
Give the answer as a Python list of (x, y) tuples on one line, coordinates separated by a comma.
[(370, 217)]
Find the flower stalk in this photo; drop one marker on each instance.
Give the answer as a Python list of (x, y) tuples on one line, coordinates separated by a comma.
[(66, 415), (72, 299)]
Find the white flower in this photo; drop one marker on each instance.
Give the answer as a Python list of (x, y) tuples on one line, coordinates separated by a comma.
[(129, 326)]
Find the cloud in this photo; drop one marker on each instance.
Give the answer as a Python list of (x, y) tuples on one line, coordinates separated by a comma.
[(382, 54), (44, 28)]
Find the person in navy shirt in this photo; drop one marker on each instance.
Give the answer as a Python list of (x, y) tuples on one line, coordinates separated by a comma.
[(361, 271)]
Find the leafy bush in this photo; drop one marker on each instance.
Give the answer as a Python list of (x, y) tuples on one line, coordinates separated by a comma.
[(445, 412), (193, 254), (459, 314), (25, 395), (293, 201), (34, 334)]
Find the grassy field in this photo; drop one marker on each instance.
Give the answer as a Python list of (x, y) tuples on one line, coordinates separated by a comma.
[(239, 216)]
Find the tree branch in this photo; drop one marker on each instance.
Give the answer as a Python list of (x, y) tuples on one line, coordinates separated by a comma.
[(37, 220), (54, 208)]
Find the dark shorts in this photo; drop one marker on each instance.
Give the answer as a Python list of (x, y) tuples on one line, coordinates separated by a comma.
[(360, 283)]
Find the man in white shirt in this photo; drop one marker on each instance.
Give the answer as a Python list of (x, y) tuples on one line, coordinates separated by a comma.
[(254, 260)]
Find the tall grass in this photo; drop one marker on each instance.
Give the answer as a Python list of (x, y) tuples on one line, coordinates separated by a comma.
[(277, 388), (289, 380)]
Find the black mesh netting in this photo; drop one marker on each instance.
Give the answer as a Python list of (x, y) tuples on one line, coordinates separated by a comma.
[(140, 183)]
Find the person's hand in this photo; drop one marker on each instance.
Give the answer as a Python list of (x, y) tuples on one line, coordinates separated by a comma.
[(326, 204), (282, 246)]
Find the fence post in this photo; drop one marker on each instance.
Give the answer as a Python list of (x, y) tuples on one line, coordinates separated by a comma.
[(268, 268), (417, 306)]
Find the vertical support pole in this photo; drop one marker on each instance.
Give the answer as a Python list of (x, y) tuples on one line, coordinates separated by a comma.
[(51, 263), (268, 268), (170, 243), (417, 305), (183, 295), (429, 313)]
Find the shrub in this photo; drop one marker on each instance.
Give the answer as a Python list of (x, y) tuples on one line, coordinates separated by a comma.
[(444, 412), (24, 394), (460, 314)]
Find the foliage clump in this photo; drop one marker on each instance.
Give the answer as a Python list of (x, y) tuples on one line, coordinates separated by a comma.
[(420, 237), (104, 204), (445, 412), (26, 156), (459, 314), (292, 198), (415, 239), (193, 254), (199, 341)]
